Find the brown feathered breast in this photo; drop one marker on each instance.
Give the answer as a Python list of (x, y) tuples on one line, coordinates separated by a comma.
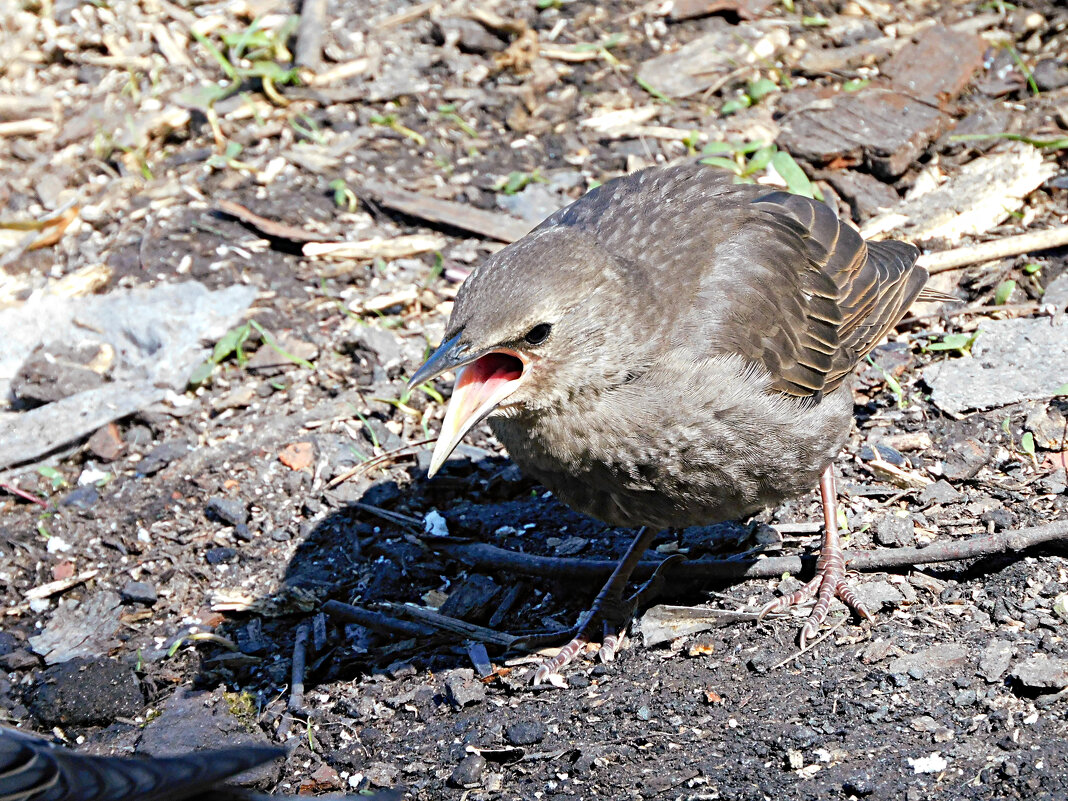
[(731, 360)]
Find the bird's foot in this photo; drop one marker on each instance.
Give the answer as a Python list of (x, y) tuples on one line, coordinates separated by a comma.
[(830, 582), (548, 672), (615, 612)]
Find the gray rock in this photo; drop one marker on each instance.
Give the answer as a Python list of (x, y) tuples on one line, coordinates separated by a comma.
[(468, 773), (139, 592), (468, 35), (1057, 292), (940, 491), (462, 688), (534, 203), (934, 659), (156, 333), (379, 343), (1042, 672), (525, 732), (1011, 361), (895, 530), (382, 774), (877, 595), (198, 721), (83, 630), (228, 510), (708, 62), (995, 660), (1056, 483), (86, 691)]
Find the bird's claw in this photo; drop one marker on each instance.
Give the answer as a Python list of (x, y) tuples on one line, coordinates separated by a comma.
[(618, 611), (830, 582)]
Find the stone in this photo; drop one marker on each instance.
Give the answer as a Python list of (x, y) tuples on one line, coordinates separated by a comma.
[(933, 659), (941, 492), (692, 9), (86, 691), (708, 62), (83, 630), (1011, 361), (525, 732), (877, 595), (895, 530), (220, 556), (228, 510), (139, 592), (106, 443), (193, 721), (1042, 672), (463, 689), (468, 773), (994, 661)]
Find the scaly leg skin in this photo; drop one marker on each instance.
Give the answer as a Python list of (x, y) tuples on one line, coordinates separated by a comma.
[(830, 580), (610, 607)]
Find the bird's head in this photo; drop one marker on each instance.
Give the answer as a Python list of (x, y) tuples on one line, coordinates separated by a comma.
[(526, 330)]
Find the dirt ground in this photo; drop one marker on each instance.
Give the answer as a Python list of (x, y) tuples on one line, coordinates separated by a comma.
[(161, 571)]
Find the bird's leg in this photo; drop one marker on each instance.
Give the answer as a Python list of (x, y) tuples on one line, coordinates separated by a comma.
[(614, 636), (609, 603), (830, 579)]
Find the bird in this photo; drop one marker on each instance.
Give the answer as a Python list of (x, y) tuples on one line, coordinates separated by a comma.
[(34, 769), (675, 349)]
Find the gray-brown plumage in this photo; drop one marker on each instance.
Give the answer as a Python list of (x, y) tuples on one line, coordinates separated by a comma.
[(673, 349), (32, 769)]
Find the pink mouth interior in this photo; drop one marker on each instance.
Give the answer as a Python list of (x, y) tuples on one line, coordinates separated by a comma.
[(491, 371)]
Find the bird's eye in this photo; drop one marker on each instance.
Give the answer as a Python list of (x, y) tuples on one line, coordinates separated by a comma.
[(538, 334)]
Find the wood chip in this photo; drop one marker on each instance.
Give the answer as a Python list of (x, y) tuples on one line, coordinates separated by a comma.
[(31, 127), (446, 212), (378, 247), (271, 228), (958, 55), (978, 197), (56, 587), (882, 129)]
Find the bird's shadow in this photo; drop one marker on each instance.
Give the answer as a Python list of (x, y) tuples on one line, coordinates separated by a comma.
[(367, 550)]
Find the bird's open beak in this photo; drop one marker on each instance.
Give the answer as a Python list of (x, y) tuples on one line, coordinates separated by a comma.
[(483, 381)]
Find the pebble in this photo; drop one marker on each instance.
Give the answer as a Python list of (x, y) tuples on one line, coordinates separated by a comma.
[(525, 732), (1042, 672), (228, 510), (139, 592), (860, 786), (895, 530), (382, 774), (218, 556), (940, 491), (469, 772), (462, 688)]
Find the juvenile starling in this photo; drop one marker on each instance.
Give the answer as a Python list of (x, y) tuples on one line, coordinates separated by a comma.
[(671, 350), (32, 769)]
